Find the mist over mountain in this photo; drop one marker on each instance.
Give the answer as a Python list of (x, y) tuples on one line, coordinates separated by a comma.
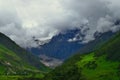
[(60, 46), (59, 40), (15, 60), (101, 64), (22, 20)]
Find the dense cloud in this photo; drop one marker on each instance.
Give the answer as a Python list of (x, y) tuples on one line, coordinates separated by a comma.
[(23, 19)]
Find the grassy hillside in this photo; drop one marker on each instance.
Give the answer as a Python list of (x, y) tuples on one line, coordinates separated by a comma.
[(14, 60), (102, 64)]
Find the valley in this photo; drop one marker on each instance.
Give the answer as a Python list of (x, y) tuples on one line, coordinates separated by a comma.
[(100, 64), (59, 39)]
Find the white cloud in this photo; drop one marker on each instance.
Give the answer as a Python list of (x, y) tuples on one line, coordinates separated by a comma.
[(23, 19)]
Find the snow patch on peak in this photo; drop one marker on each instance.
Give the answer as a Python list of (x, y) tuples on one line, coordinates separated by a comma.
[(76, 38)]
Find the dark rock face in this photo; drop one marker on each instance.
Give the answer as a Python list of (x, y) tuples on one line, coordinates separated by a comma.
[(59, 47)]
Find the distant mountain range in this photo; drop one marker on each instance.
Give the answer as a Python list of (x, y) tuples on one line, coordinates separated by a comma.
[(60, 46), (101, 61), (100, 64)]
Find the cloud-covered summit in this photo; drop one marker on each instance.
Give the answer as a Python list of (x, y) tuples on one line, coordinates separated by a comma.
[(23, 19)]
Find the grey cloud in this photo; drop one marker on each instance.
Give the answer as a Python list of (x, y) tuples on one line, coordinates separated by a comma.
[(23, 19)]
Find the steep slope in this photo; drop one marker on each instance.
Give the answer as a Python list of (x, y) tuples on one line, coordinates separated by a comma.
[(102, 64), (15, 60), (59, 47), (100, 39)]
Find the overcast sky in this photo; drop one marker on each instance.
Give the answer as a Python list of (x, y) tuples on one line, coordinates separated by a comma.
[(23, 19)]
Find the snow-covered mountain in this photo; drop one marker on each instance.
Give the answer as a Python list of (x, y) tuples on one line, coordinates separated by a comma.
[(64, 45)]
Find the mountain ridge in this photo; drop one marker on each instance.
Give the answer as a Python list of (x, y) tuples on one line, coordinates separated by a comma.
[(101, 64), (59, 47), (16, 60)]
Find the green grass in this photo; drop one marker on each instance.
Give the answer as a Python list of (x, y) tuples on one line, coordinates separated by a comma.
[(86, 67), (5, 51), (85, 59), (105, 70), (10, 77), (102, 64), (17, 77), (14, 61), (2, 69), (18, 57), (18, 64)]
